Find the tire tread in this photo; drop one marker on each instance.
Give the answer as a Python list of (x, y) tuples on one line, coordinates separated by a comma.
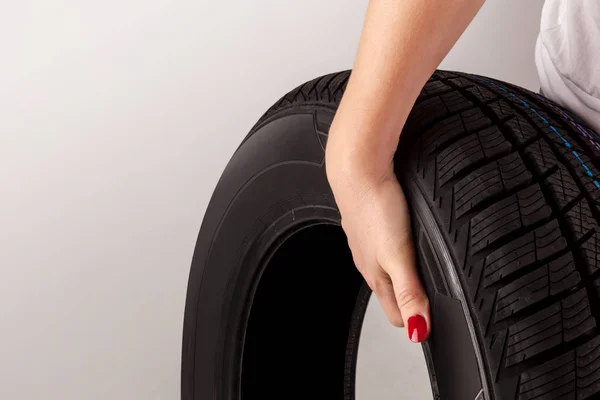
[(522, 206)]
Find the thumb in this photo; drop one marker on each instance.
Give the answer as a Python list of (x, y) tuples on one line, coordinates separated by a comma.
[(409, 293)]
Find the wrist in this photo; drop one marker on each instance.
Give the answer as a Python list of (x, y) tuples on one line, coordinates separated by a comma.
[(356, 169)]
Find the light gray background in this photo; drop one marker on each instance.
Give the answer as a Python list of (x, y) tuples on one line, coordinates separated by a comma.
[(116, 120)]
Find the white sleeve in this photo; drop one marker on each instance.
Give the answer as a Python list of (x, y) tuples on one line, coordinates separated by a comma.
[(568, 56)]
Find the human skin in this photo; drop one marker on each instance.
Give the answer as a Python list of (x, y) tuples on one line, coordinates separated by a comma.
[(401, 45)]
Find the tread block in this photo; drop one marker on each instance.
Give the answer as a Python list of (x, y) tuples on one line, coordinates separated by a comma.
[(580, 223), (456, 102), (562, 187), (322, 89), (548, 328), (520, 210), (581, 165), (502, 109), (523, 209), (558, 137), (546, 241), (489, 181), (458, 156), (433, 88), (424, 112), (562, 274), (541, 156), (554, 277), (328, 88), (586, 173), (440, 133), (551, 380), (444, 74), (575, 373), (590, 253), (555, 132), (579, 220), (588, 368), (521, 131), (535, 334), (337, 86), (482, 94), (537, 115), (475, 120), (472, 149), (513, 171), (496, 221), (477, 187), (461, 82), (445, 131), (544, 122), (493, 141)]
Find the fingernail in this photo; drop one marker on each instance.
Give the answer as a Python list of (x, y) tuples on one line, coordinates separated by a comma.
[(417, 328)]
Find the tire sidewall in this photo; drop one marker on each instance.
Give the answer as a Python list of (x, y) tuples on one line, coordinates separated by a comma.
[(274, 185)]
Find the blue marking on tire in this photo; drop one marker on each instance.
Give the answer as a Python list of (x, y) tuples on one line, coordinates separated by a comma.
[(554, 129)]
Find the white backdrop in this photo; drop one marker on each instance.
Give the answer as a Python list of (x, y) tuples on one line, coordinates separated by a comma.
[(116, 120)]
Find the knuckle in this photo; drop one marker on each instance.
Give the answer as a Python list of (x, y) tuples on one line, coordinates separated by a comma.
[(396, 321), (377, 285), (394, 253), (408, 297), (360, 266)]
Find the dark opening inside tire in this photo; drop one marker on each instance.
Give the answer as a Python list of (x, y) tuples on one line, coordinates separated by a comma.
[(504, 191)]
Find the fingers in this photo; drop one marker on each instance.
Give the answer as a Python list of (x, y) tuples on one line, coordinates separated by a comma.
[(383, 289), (409, 293)]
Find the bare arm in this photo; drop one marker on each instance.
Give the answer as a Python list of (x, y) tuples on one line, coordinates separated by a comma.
[(402, 43)]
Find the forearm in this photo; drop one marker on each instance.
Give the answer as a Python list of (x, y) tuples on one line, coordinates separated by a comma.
[(402, 43)]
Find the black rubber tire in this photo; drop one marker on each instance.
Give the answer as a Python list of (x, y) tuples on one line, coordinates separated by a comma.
[(504, 190)]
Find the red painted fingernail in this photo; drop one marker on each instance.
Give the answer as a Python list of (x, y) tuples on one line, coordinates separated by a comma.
[(417, 328)]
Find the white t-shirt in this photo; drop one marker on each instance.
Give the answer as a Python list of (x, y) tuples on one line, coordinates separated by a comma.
[(567, 56)]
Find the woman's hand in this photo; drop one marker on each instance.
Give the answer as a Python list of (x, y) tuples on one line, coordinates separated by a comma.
[(376, 220), (401, 44)]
